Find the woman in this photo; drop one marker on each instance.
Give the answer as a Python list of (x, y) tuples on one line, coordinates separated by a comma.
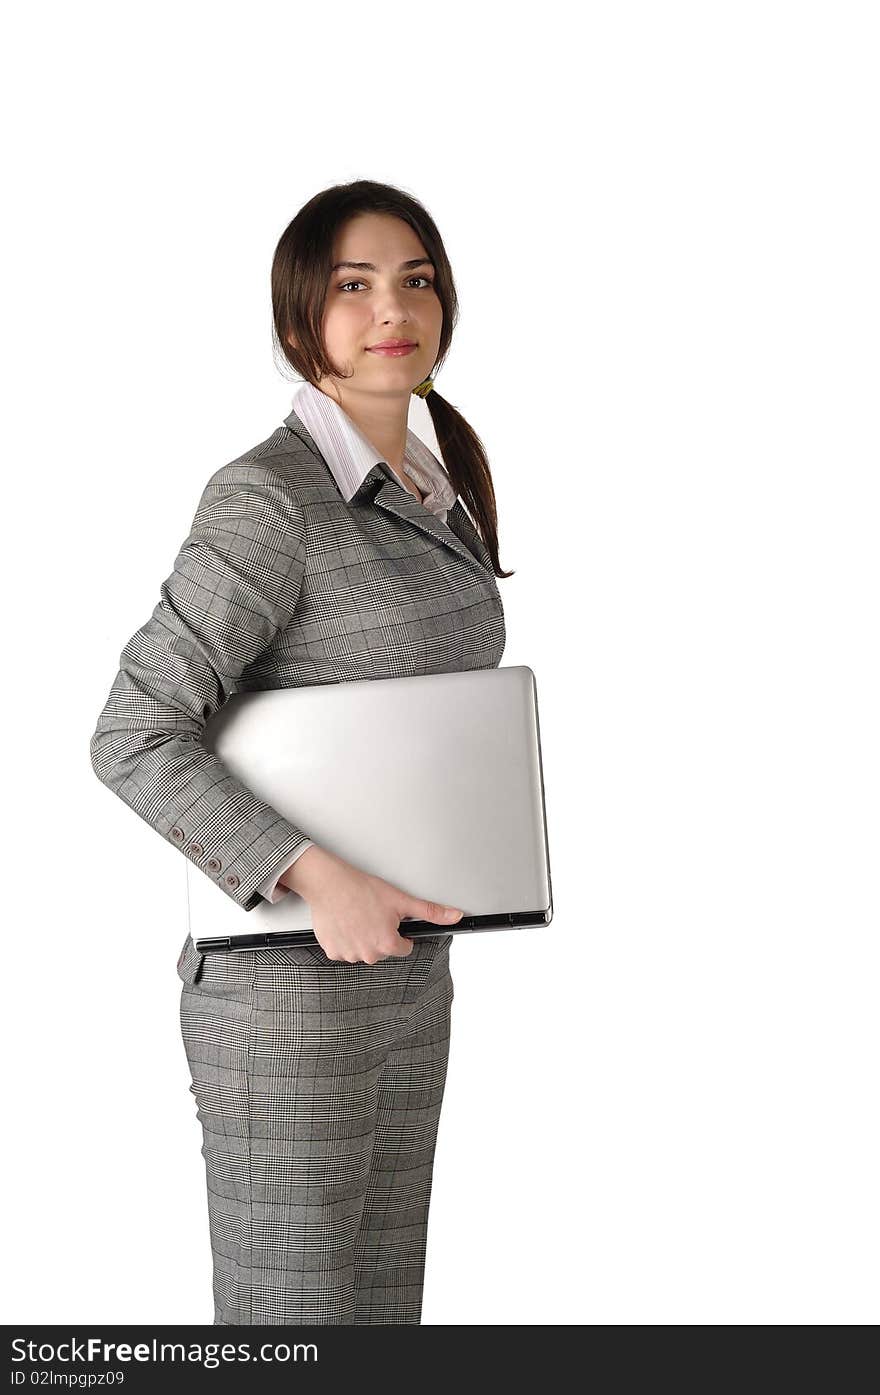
[(337, 549)]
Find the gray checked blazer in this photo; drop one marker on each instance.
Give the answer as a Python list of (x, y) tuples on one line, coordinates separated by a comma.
[(283, 583)]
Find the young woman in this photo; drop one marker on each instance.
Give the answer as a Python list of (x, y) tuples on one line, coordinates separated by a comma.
[(337, 549)]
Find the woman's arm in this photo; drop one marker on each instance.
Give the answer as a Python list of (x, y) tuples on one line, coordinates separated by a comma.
[(235, 584)]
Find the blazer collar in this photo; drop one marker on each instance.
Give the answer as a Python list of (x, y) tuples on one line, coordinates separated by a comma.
[(381, 488), (350, 455)]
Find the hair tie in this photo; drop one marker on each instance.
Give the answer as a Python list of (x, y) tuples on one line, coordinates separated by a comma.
[(424, 387)]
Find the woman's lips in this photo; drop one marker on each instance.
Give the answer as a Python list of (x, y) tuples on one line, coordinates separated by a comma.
[(393, 350)]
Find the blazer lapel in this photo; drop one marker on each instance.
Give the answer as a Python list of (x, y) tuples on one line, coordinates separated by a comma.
[(393, 498), (458, 520), (381, 487)]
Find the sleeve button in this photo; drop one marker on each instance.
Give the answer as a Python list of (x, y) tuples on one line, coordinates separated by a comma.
[(177, 834), (215, 864), (196, 850), (232, 881)]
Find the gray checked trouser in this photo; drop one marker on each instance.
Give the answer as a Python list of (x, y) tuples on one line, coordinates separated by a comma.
[(319, 1086)]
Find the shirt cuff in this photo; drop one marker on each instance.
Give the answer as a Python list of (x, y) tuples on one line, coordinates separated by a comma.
[(270, 889)]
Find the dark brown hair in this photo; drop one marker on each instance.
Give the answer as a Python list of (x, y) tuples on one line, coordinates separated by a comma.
[(301, 270)]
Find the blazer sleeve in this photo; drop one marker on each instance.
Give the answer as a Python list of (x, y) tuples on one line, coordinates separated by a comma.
[(235, 584)]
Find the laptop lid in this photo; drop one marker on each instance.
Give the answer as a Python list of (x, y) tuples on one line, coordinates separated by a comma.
[(433, 782)]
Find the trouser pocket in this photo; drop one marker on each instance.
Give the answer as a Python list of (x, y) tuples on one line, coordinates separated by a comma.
[(190, 962)]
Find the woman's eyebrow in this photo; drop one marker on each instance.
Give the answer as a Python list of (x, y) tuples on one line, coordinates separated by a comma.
[(368, 266)]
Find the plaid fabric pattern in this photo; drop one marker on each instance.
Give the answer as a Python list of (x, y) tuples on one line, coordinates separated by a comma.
[(283, 582), (318, 1084), (319, 1087)]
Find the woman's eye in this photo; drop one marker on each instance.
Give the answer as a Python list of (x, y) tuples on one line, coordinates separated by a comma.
[(345, 284)]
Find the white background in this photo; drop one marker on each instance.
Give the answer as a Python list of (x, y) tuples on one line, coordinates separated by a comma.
[(663, 222)]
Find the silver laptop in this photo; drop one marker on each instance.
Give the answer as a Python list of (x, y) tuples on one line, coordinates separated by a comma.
[(432, 782)]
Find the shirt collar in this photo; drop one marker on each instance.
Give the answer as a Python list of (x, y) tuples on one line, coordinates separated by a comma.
[(351, 456)]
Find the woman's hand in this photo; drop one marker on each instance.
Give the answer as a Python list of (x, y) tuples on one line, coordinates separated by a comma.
[(354, 914)]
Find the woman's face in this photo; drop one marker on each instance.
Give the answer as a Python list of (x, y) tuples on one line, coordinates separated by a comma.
[(391, 297)]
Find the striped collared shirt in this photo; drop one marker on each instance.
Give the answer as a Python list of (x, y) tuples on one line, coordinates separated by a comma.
[(351, 457)]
